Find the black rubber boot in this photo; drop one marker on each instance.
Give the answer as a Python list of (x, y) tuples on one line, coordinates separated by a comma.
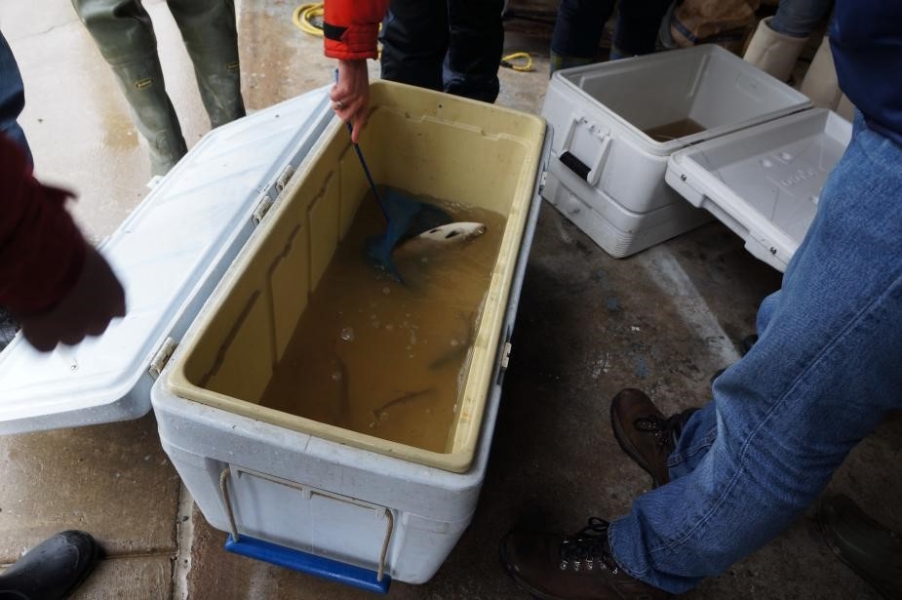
[(51, 570), (153, 113)]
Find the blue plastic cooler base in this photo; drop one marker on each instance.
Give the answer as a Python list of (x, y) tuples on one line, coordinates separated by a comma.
[(311, 564)]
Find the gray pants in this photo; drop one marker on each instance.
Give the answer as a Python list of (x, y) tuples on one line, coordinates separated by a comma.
[(124, 35)]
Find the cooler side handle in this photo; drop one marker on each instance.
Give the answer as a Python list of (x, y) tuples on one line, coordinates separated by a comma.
[(591, 173), (306, 562)]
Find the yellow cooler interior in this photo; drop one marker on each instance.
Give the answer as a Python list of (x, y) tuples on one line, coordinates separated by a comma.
[(418, 141)]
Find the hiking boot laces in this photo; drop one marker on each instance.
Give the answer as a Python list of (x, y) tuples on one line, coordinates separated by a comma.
[(663, 429), (588, 547)]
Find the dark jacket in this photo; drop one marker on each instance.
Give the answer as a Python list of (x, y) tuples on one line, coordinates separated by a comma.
[(866, 39)]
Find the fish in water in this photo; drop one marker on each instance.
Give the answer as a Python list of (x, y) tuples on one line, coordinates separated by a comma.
[(440, 238), (459, 350), (381, 413)]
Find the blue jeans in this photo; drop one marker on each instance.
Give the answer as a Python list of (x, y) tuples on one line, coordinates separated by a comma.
[(824, 372), (798, 18), (12, 96)]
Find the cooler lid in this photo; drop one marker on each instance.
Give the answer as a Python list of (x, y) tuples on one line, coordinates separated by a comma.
[(764, 182), (169, 253)]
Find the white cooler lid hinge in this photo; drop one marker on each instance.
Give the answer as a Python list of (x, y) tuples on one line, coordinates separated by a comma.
[(284, 177), (161, 357), (263, 205)]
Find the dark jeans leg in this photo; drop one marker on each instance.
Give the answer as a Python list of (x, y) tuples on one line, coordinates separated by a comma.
[(12, 96), (579, 25), (414, 42), (474, 52), (637, 27)]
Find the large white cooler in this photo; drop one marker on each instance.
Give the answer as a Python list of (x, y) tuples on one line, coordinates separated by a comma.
[(218, 261), (743, 145), (256, 211)]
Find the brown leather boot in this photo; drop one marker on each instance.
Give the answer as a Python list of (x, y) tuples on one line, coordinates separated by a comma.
[(556, 567), (644, 433)]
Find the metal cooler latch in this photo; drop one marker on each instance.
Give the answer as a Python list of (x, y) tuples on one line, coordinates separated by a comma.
[(161, 357)]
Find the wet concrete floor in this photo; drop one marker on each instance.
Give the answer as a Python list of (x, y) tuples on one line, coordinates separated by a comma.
[(588, 325)]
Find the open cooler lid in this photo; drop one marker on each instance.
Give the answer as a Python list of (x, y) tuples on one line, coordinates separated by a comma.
[(169, 253), (764, 182)]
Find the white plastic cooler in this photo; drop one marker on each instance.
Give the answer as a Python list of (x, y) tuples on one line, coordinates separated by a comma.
[(627, 190), (250, 218), (308, 494)]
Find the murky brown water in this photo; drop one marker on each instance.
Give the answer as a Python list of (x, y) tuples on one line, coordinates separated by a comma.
[(675, 130), (384, 358)]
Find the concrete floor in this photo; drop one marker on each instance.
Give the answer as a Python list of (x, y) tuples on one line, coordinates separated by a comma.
[(588, 325)]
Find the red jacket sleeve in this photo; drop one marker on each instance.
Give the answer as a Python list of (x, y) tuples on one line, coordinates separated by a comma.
[(42, 251), (350, 27)]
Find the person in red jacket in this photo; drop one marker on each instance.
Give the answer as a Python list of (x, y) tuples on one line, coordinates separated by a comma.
[(60, 290), (453, 46), (52, 280), (350, 30)]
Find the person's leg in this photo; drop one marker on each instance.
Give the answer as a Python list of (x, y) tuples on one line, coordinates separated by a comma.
[(414, 42), (577, 32), (210, 32), (821, 376), (696, 437), (12, 101), (637, 27), (124, 35), (12, 96), (798, 18), (699, 431), (474, 49)]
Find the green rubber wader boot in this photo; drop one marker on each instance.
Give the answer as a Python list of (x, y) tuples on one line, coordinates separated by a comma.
[(124, 35), (872, 550), (154, 115), (210, 32)]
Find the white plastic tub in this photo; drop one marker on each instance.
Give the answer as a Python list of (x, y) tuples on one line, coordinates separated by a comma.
[(607, 173)]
